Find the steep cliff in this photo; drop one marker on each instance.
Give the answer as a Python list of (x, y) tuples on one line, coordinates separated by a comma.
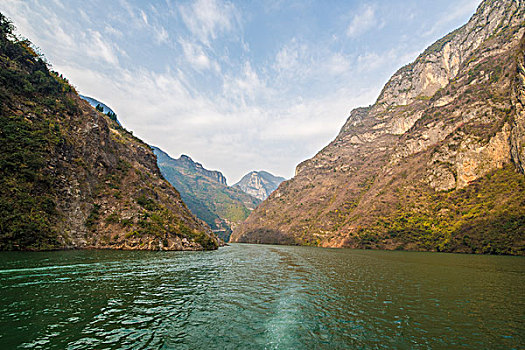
[(206, 193), (70, 177), (435, 164), (259, 184)]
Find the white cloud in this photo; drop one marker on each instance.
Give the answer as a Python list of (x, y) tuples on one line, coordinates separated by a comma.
[(196, 57), (110, 30), (458, 11), (62, 34), (138, 19), (97, 47), (58, 3), (300, 59), (294, 62), (298, 65), (144, 17), (129, 9), (250, 83), (161, 35), (396, 57), (205, 19), (288, 57), (245, 88), (271, 106), (362, 21), (338, 64)]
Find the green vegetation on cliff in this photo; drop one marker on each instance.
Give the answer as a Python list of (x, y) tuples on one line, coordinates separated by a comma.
[(27, 201), (486, 217), (71, 176)]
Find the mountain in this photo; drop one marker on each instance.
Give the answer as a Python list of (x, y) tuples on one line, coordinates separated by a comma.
[(259, 184), (70, 177), (206, 193), (436, 163), (101, 107), (95, 102)]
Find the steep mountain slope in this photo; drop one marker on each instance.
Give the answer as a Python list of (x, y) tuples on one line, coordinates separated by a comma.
[(435, 164), (206, 193), (259, 184), (72, 178)]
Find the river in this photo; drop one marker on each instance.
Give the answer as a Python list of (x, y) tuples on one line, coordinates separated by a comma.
[(261, 297)]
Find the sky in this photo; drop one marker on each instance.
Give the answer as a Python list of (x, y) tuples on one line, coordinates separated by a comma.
[(236, 85)]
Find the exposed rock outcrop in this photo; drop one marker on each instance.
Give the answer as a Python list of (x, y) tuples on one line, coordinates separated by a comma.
[(259, 184)]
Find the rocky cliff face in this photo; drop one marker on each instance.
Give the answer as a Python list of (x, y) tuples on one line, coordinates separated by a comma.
[(435, 164), (206, 193), (72, 178), (259, 184), (185, 162)]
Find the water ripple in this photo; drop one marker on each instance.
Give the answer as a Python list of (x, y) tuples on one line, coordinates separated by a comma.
[(260, 297)]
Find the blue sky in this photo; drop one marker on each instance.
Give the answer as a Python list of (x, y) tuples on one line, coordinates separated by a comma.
[(236, 85)]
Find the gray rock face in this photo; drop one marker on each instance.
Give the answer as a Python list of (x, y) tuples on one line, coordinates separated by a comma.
[(517, 132), (442, 61), (259, 184)]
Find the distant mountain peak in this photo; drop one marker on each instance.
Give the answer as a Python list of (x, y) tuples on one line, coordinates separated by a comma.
[(259, 184), (187, 162), (206, 193)]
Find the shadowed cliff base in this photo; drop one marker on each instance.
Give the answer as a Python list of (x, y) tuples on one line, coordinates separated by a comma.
[(267, 236)]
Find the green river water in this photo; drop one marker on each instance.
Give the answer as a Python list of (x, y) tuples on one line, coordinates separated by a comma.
[(261, 297)]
